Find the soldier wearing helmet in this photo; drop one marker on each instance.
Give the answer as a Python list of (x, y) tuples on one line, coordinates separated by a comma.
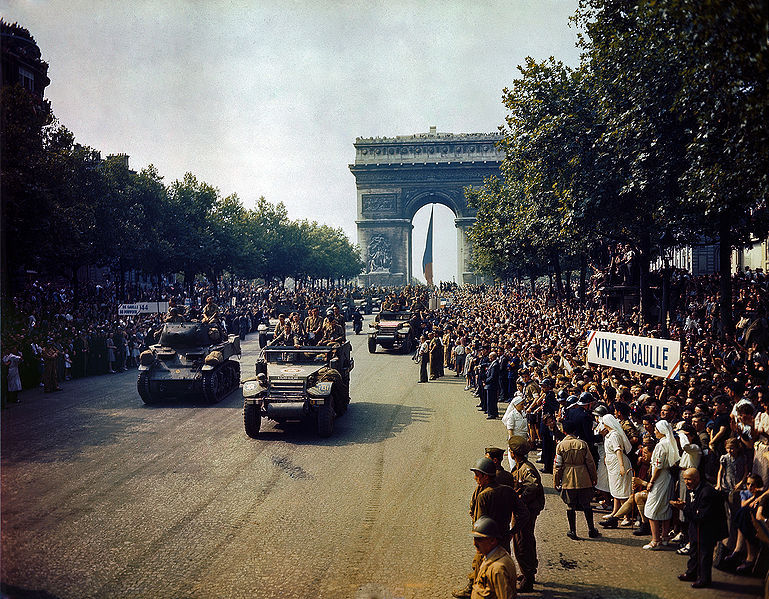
[(496, 573), (498, 502)]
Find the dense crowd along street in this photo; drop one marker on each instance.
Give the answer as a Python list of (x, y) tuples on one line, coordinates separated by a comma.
[(623, 449), (541, 369)]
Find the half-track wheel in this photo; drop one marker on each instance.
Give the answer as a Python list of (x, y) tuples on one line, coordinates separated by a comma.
[(326, 416), (252, 419)]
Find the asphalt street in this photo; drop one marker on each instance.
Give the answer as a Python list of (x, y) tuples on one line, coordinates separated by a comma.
[(103, 496)]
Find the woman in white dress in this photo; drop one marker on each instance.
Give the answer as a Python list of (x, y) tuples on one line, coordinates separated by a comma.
[(657, 509), (616, 447)]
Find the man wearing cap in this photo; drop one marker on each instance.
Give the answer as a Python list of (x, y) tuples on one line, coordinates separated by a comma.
[(582, 418), (503, 477), (548, 406), (527, 483), (495, 577)]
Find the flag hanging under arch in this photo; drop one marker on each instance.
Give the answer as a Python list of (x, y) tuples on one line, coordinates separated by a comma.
[(427, 257)]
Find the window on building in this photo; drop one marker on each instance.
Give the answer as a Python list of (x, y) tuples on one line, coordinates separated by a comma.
[(27, 79)]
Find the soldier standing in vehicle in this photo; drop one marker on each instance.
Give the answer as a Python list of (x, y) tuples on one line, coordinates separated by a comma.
[(210, 311), (313, 326), (175, 313)]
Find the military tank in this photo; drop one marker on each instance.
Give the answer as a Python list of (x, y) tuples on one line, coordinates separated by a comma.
[(190, 359)]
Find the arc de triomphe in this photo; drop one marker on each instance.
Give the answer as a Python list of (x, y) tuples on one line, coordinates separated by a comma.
[(396, 176)]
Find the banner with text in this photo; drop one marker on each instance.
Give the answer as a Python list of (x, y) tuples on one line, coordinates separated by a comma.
[(142, 308), (658, 357)]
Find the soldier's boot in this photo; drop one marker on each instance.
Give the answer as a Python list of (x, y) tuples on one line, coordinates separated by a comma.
[(526, 583)]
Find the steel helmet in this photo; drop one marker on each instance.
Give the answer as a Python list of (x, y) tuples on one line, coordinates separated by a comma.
[(485, 528), (600, 410), (485, 466)]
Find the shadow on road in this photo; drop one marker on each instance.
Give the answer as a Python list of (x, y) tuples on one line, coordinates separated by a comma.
[(13, 592), (555, 590), (364, 422)]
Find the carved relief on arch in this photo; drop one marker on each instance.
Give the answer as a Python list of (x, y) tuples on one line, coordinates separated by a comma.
[(379, 254), (378, 202)]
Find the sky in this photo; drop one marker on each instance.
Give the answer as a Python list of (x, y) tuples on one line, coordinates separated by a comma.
[(267, 98)]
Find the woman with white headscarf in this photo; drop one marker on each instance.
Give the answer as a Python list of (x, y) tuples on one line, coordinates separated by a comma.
[(616, 447), (657, 509)]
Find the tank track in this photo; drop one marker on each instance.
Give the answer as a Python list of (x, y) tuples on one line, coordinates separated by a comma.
[(220, 382)]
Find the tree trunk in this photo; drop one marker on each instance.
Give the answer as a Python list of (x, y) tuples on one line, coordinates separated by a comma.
[(556, 260), (643, 280), (665, 299), (725, 258)]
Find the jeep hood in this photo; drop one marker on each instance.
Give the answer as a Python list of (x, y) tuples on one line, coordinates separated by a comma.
[(292, 371)]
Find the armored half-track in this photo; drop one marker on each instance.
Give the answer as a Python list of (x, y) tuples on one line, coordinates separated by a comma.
[(308, 383), (391, 330), (191, 359)]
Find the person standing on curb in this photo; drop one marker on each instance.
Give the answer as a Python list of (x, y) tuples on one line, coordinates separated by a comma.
[(496, 574), (424, 359), (527, 483), (575, 476)]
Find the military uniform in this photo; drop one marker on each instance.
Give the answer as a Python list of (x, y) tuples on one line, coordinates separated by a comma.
[(313, 325), (496, 576), (332, 334), (210, 312), (528, 485)]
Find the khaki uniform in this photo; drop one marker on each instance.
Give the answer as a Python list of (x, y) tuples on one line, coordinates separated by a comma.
[(496, 576), (503, 477), (313, 324), (574, 465), (528, 485), (210, 312), (332, 334)]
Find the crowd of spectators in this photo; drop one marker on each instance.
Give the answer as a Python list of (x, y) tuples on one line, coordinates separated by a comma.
[(520, 348), (530, 352), (50, 337)]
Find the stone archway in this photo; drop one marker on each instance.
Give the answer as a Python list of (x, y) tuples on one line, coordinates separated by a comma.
[(395, 177)]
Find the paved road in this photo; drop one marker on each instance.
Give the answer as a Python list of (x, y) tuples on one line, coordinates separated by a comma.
[(105, 497)]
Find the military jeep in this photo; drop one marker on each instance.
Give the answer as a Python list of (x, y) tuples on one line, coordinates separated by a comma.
[(308, 383), (391, 330)]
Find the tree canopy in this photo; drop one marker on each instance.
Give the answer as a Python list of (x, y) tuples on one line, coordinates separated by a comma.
[(65, 207), (658, 137)]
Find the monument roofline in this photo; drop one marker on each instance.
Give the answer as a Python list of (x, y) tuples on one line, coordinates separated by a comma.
[(431, 136)]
